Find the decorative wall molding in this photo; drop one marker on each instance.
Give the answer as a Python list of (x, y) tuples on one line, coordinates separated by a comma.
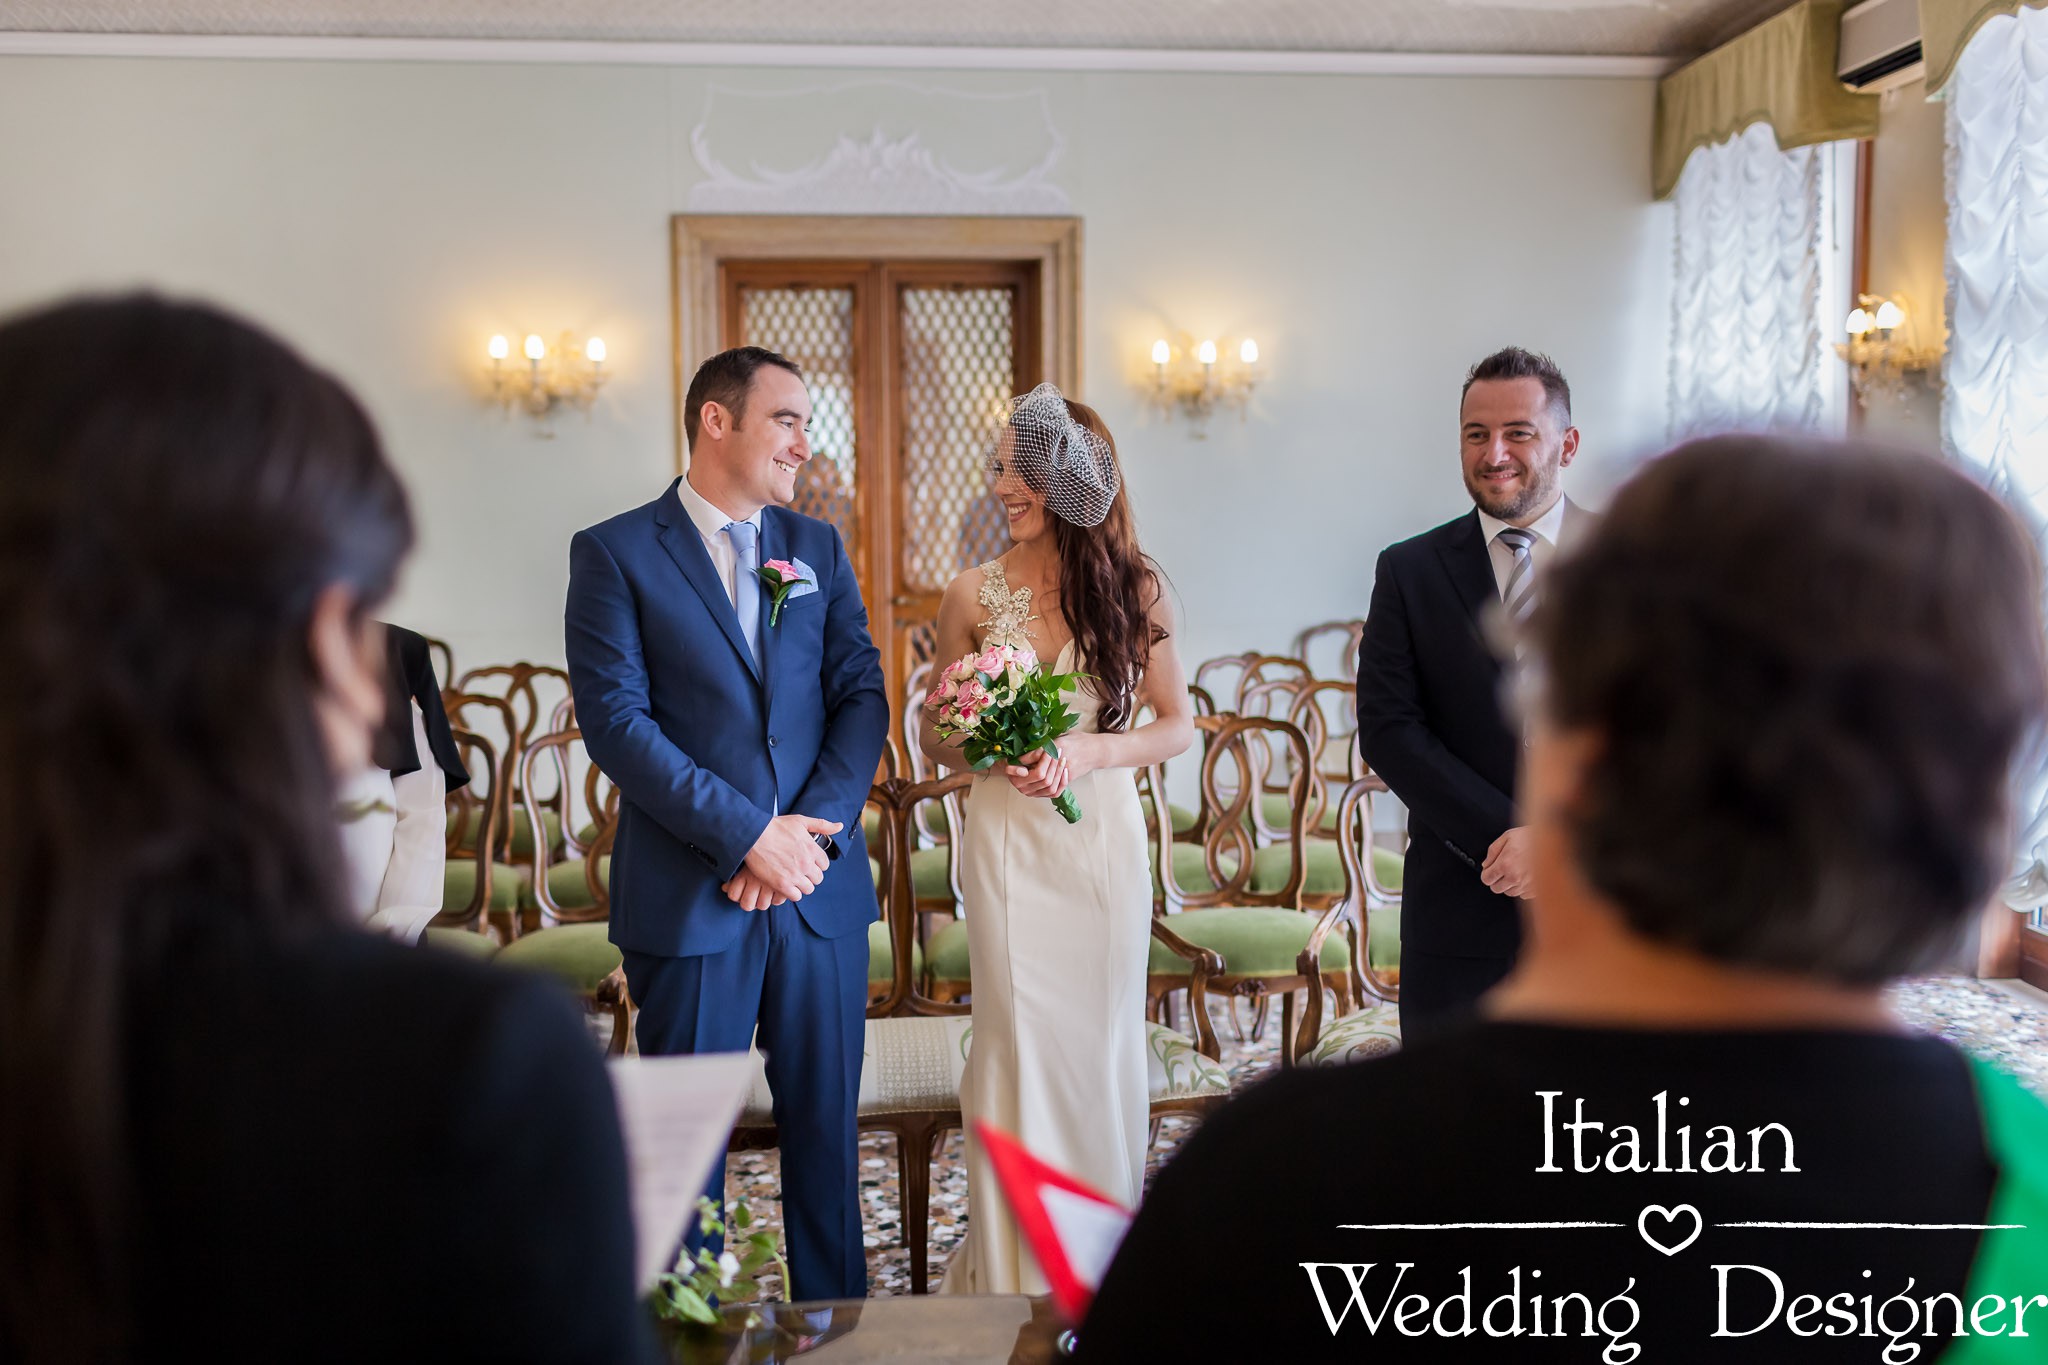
[(864, 148), (1164, 60)]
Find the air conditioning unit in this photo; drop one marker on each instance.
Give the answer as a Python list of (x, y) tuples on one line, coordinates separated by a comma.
[(1880, 46)]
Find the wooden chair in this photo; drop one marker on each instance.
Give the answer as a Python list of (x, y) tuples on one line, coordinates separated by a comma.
[(484, 806), (575, 888), (1350, 633), (921, 1044), (466, 912), (1251, 668), (1370, 910), (1259, 934), (443, 660), (521, 686)]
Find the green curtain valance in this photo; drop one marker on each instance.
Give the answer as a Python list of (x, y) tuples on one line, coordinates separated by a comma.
[(1946, 27), (1782, 72)]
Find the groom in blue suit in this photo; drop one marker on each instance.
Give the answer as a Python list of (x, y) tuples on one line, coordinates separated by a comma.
[(743, 740)]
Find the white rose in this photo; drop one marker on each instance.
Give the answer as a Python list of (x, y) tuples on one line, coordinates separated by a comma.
[(728, 1266)]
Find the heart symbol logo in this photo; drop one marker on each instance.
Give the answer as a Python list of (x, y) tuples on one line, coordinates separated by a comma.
[(1669, 1221)]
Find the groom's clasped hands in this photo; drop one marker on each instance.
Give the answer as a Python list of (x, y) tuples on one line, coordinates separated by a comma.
[(785, 864)]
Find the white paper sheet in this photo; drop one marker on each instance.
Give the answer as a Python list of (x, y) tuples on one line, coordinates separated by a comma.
[(677, 1115)]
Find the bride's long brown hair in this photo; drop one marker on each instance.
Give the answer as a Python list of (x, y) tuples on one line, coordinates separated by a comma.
[(1108, 587)]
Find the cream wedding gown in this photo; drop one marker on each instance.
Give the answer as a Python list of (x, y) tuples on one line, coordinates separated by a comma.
[(1058, 932)]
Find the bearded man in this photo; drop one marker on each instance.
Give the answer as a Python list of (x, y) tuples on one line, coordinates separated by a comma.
[(1430, 715)]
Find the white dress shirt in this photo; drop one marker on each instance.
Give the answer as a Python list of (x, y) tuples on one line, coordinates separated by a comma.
[(1547, 528), (711, 524)]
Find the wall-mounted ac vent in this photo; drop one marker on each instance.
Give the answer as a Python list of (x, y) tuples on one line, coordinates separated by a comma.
[(1880, 46)]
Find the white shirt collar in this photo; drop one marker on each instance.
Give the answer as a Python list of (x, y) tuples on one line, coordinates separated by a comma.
[(709, 521), (1547, 526)]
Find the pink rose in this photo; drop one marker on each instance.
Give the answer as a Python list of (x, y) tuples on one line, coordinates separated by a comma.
[(788, 572), (961, 671), (991, 662)]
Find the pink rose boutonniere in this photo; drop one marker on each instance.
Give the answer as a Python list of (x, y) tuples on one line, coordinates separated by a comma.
[(783, 578)]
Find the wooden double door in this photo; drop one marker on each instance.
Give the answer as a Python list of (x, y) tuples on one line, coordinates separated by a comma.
[(910, 366)]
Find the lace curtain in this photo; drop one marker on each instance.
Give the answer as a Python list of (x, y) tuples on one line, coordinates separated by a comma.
[(1995, 377), (1746, 350)]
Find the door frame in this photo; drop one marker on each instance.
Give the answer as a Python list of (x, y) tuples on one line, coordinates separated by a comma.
[(700, 242)]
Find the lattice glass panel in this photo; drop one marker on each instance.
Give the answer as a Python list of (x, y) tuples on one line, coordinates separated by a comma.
[(814, 327), (958, 374)]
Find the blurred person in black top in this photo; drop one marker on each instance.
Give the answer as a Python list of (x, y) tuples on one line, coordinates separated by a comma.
[(232, 1124), (1773, 701)]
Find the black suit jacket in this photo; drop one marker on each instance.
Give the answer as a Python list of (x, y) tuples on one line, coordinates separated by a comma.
[(348, 1150), (1431, 724)]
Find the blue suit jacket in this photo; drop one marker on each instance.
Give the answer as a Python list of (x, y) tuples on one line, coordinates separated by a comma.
[(703, 744)]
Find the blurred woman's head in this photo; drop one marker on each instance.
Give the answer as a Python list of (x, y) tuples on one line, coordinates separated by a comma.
[(1777, 697), (194, 528)]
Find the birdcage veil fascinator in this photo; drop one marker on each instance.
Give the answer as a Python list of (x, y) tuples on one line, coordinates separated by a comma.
[(1065, 463)]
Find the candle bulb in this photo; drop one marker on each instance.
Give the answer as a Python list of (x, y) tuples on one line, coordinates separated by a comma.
[(535, 348), (1249, 352), (1889, 315), (594, 348), (500, 348), (1207, 353)]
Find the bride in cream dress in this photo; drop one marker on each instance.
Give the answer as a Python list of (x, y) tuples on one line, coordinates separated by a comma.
[(1059, 916)]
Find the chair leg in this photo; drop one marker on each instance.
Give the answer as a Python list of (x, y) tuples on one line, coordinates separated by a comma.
[(1287, 1025), (916, 1145)]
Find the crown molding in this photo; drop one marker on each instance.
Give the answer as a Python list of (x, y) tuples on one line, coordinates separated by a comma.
[(254, 47)]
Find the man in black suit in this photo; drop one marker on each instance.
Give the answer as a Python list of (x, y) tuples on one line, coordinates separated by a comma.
[(1430, 717)]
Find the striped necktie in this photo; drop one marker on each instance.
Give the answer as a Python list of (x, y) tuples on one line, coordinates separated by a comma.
[(1519, 596), (746, 588)]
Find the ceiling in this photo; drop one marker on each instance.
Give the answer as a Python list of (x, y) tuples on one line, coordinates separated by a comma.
[(1645, 28)]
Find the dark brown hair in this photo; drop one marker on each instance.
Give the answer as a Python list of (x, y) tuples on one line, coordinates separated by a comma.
[(177, 489), (1108, 587), (1809, 668), (725, 379), (1512, 362)]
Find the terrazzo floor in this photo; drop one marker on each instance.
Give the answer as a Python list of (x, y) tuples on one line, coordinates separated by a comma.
[(2005, 1025)]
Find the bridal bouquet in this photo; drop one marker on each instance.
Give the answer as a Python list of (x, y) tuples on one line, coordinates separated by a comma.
[(1005, 706)]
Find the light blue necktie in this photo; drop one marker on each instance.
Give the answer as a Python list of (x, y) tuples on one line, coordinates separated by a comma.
[(746, 591)]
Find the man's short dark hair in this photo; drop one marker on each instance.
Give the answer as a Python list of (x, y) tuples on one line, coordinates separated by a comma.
[(1512, 362), (1809, 669), (725, 379)]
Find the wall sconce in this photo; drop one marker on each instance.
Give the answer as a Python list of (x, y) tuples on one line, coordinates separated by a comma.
[(562, 375), (1190, 380), (1880, 352)]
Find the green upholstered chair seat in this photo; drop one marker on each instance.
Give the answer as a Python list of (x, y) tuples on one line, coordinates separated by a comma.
[(570, 887), (461, 941), (1383, 937), (1176, 1070), (928, 881), (1358, 1037), (1274, 810), (522, 832), (579, 955), (1183, 819), (882, 956), (1322, 868), (947, 953), (913, 1065), (1253, 940), (1190, 868), (875, 872), (458, 884), (871, 826)]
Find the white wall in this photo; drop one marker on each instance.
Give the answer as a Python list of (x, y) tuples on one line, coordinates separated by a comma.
[(1376, 234)]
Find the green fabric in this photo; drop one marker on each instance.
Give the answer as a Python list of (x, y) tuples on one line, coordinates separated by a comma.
[(1782, 72), (1383, 938), (579, 955), (871, 825), (1253, 940), (882, 955), (928, 881), (461, 941), (875, 872), (1946, 27), (458, 884), (2011, 1262), (1190, 868), (1183, 819), (522, 833), (1276, 810), (570, 888), (947, 953), (1323, 870)]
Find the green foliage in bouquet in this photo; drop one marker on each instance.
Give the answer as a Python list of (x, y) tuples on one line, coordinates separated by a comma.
[(1033, 717), (684, 1295)]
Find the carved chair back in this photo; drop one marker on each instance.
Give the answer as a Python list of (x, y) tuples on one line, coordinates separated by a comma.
[(1234, 757), (1342, 636), (1364, 893), (478, 757), (443, 660), (586, 802), (486, 803)]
